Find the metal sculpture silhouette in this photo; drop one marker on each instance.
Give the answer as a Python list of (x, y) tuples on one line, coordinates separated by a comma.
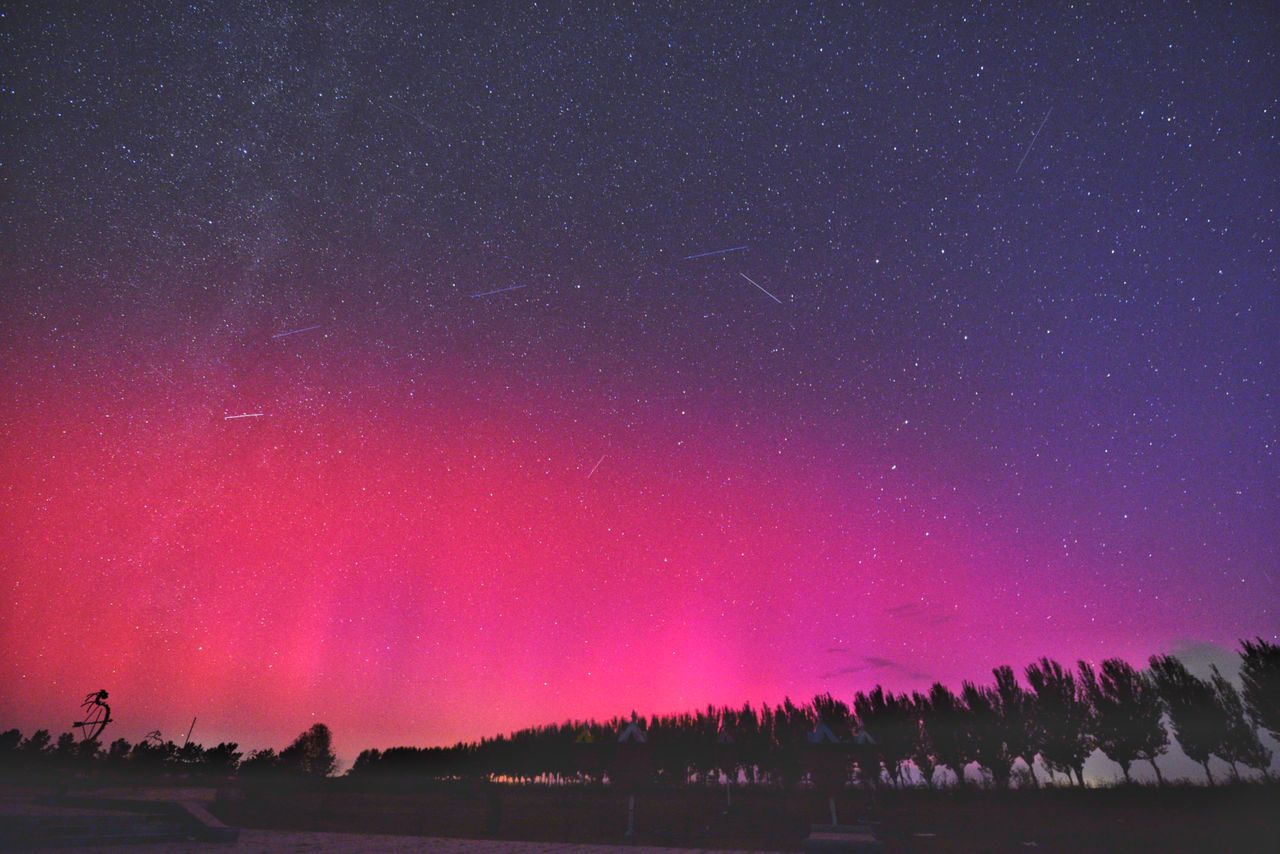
[(96, 715)]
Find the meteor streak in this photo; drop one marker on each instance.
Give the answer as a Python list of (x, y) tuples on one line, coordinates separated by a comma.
[(295, 331), (1033, 141), (498, 291), (757, 284), (715, 252)]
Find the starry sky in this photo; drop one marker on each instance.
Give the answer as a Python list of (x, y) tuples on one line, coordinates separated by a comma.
[(356, 364)]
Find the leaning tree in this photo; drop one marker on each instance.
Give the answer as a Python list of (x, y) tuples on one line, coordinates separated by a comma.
[(986, 730), (1017, 719), (1199, 722), (1260, 676), (1062, 714), (1127, 714), (1241, 745)]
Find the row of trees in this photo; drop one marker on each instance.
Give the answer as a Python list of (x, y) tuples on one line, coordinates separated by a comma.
[(310, 754), (1060, 716)]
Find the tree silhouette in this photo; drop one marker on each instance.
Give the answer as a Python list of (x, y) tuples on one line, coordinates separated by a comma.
[(752, 743), (1199, 722), (263, 762), (222, 760), (987, 732), (1241, 745), (893, 723), (791, 727), (36, 743), (1017, 721), (1260, 676), (88, 751), (190, 756), (922, 750), (118, 753), (65, 748), (835, 713), (10, 753), (311, 753), (1062, 716), (947, 725), (1127, 713), (153, 755)]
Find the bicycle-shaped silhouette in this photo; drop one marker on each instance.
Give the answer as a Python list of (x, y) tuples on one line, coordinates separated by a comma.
[(96, 714)]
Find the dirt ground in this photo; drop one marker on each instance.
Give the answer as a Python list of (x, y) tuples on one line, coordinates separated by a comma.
[(1240, 818), (286, 842), (461, 818)]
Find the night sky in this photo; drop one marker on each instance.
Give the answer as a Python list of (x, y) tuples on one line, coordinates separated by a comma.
[(355, 367)]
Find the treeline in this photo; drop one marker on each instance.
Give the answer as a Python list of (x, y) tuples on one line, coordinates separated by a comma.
[(1057, 715), (309, 755)]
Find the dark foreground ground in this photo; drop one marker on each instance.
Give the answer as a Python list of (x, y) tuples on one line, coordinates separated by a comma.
[(1224, 819)]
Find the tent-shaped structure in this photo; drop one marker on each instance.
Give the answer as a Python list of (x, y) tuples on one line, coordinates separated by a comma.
[(823, 734), (632, 733)]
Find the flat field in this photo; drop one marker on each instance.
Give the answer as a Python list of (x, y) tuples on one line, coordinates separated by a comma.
[(1193, 819)]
